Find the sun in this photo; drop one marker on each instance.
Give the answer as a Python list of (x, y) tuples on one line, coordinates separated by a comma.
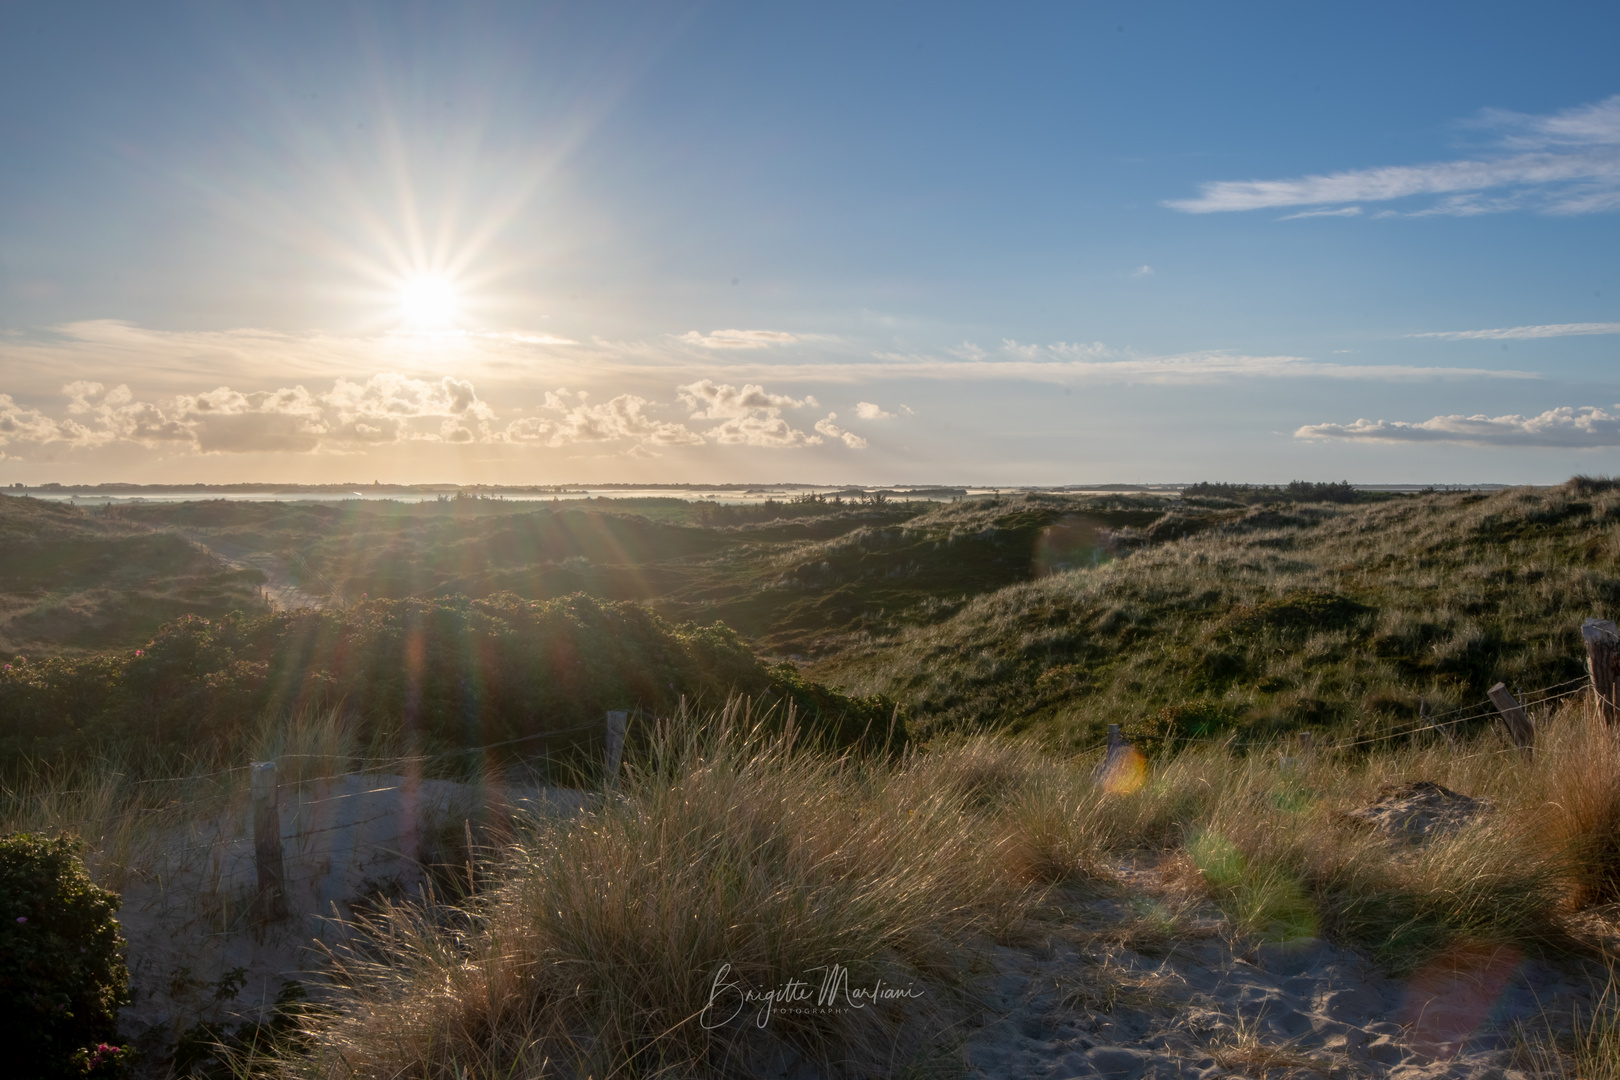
[(429, 302)]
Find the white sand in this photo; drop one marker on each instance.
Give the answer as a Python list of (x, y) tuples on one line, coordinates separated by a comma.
[(187, 917), (1087, 1004)]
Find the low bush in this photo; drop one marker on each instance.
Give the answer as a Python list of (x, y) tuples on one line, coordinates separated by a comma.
[(430, 675), (62, 977)]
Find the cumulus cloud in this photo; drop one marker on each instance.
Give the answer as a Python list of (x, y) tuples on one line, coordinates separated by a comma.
[(570, 418), (1586, 427), (386, 408), (1513, 333), (390, 408), (23, 423), (771, 432), (752, 415), (1564, 163), (866, 410), (737, 339), (713, 401), (833, 431)]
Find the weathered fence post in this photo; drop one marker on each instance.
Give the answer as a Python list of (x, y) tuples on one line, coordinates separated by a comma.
[(272, 899), (1519, 728), (616, 720), (1602, 660)]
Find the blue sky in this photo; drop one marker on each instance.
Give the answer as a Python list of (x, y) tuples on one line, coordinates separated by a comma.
[(1002, 244)]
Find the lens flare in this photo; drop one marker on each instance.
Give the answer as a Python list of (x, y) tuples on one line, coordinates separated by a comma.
[(1124, 771), (1455, 992)]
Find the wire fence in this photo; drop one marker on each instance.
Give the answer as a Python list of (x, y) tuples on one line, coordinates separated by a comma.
[(1437, 723), (415, 766)]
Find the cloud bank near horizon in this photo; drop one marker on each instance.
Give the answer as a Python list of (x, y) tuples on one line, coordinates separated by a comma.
[(1585, 427), (391, 409)]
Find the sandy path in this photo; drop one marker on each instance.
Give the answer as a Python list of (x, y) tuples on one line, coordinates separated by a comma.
[(278, 588), (1107, 996)]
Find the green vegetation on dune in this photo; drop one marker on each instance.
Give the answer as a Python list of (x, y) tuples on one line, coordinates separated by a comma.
[(1274, 617), (418, 676), (801, 578), (1177, 617), (78, 581)]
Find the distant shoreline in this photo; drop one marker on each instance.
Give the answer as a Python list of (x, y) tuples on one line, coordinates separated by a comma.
[(579, 489)]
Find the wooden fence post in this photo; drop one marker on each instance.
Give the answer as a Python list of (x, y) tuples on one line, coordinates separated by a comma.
[(272, 899), (1602, 659), (616, 720), (1519, 728)]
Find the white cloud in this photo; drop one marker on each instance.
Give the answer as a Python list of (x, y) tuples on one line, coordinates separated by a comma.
[(737, 339), (1584, 427), (1565, 163), (713, 401), (866, 410), (833, 431), (386, 408), (577, 421), (1142, 271), (1348, 211), (752, 415), (23, 423), (771, 432), (1515, 333), (1096, 363), (390, 408)]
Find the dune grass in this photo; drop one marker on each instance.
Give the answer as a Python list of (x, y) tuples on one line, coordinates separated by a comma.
[(1271, 618), (731, 858), (626, 942)]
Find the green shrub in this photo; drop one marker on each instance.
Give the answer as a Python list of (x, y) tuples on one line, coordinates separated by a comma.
[(436, 675), (62, 978), (1184, 722), (1300, 610)]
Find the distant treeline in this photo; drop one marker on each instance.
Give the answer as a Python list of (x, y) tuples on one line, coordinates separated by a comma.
[(1293, 491), (810, 504), (425, 675)]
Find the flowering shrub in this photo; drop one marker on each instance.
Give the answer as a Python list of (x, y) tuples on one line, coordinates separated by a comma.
[(62, 977)]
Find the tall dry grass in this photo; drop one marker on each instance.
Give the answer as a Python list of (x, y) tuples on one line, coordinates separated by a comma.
[(598, 955), (731, 856), (623, 941)]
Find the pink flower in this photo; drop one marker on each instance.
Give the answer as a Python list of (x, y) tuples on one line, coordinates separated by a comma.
[(138, 652)]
